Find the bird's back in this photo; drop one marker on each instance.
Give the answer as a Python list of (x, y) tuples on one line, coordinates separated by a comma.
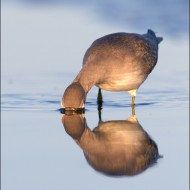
[(141, 49)]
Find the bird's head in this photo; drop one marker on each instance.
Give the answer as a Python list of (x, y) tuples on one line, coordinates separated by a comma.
[(74, 97)]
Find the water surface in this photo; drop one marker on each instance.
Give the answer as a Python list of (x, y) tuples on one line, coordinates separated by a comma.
[(37, 152)]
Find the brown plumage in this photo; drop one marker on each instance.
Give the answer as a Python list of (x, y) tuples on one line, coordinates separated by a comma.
[(119, 147), (116, 62)]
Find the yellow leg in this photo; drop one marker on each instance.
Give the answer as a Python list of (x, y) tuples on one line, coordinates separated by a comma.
[(133, 109), (133, 100)]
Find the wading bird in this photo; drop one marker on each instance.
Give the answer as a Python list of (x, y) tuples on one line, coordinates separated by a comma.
[(115, 62)]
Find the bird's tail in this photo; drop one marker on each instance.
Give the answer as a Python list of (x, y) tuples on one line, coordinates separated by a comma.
[(152, 33)]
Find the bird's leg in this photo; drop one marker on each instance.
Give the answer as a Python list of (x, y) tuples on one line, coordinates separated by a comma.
[(99, 101), (99, 112), (133, 109), (133, 100), (133, 105), (99, 98)]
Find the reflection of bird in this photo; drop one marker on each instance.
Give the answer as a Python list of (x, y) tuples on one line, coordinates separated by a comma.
[(116, 62), (118, 147)]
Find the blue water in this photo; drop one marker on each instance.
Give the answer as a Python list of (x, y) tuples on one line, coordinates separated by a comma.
[(42, 51)]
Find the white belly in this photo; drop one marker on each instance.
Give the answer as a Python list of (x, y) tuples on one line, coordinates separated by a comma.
[(122, 82)]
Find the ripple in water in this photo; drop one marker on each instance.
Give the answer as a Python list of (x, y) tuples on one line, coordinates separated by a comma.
[(51, 102), (11, 102)]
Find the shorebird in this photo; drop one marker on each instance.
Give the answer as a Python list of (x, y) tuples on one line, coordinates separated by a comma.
[(115, 62), (116, 147)]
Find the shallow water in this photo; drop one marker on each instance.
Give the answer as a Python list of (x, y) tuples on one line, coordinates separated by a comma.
[(37, 152)]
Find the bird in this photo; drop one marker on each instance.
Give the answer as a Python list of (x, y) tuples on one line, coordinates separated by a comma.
[(115, 62), (115, 147)]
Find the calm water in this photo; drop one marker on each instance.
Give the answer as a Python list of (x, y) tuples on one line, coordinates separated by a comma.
[(42, 51)]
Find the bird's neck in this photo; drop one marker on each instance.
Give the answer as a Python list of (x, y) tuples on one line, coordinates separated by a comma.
[(86, 79)]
